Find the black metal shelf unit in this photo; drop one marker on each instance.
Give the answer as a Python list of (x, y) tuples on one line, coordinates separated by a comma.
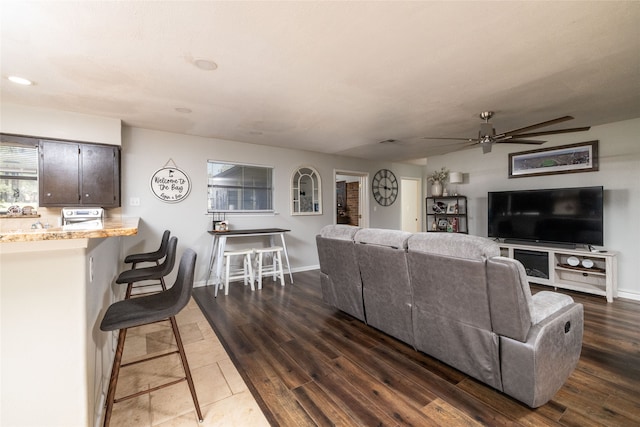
[(447, 214)]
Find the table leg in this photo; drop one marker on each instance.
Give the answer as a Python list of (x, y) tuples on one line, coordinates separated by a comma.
[(286, 256), (222, 242), (212, 259)]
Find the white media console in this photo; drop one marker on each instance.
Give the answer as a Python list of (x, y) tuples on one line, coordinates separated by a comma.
[(551, 266)]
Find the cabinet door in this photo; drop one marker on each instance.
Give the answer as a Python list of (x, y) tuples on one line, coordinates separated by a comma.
[(59, 178), (100, 182)]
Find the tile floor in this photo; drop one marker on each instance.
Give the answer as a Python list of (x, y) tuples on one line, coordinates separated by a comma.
[(223, 395)]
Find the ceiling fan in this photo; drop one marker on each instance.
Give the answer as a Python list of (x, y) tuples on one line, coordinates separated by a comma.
[(487, 135)]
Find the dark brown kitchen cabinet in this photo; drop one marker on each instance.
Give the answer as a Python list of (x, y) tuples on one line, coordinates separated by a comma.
[(78, 174)]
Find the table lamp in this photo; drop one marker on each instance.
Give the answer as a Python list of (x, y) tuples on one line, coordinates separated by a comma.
[(455, 178)]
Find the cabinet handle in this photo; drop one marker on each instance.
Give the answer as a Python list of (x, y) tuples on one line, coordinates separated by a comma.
[(86, 195), (48, 194)]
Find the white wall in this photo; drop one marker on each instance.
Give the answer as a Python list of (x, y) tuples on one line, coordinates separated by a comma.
[(145, 151), (31, 121), (619, 174)]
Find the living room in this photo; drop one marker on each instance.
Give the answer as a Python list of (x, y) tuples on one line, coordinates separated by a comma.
[(521, 97)]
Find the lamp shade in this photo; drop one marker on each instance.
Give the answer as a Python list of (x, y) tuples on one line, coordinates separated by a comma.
[(455, 178)]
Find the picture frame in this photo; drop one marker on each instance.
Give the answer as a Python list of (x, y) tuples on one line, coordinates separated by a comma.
[(572, 158), (451, 208)]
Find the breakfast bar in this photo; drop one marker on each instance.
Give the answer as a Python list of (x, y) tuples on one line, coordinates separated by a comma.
[(55, 285)]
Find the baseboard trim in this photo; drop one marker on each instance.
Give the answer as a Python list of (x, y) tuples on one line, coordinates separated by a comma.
[(629, 295)]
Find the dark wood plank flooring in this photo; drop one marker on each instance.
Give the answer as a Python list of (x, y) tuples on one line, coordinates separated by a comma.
[(308, 364)]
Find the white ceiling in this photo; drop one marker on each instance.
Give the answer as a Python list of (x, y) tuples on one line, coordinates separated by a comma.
[(332, 77)]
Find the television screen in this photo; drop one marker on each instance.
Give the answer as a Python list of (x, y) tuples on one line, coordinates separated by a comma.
[(562, 215)]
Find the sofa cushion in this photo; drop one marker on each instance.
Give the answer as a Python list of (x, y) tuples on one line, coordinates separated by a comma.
[(546, 303), (375, 236), (454, 245), (451, 316), (340, 276), (339, 231), (386, 288)]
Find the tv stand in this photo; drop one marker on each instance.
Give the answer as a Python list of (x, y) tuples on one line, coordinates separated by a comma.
[(549, 265)]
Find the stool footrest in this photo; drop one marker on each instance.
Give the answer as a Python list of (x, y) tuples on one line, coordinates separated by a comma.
[(152, 389), (156, 356)]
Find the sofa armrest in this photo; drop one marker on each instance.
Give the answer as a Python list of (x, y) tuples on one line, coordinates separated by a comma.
[(534, 370), (546, 303)]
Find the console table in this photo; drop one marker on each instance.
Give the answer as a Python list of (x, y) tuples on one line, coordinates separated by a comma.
[(546, 265), (220, 241)]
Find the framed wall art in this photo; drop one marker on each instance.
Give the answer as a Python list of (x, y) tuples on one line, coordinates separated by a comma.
[(573, 158), (170, 184)]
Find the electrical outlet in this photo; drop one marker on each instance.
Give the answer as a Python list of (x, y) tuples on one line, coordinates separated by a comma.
[(134, 201)]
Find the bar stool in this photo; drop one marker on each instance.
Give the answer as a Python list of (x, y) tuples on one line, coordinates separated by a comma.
[(156, 272), (245, 273), (144, 310), (276, 264), (154, 256)]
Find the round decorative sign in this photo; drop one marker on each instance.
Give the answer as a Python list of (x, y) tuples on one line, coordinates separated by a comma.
[(170, 185)]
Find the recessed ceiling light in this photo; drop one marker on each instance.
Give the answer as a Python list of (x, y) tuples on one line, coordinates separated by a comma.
[(20, 80), (205, 64), (183, 110)]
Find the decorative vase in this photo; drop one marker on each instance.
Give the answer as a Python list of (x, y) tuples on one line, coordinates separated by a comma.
[(436, 189)]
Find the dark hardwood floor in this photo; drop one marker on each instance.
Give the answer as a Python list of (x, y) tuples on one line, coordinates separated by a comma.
[(308, 364)]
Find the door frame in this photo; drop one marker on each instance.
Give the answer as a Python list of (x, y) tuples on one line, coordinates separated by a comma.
[(363, 180)]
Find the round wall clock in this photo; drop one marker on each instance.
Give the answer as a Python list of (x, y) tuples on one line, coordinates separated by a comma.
[(385, 187)]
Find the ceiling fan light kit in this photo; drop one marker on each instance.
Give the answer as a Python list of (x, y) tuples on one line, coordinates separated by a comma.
[(487, 134)]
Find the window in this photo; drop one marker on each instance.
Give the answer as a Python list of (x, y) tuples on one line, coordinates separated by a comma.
[(18, 172), (239, 188)]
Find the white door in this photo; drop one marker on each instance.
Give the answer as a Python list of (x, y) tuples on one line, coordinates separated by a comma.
[(410, 199)]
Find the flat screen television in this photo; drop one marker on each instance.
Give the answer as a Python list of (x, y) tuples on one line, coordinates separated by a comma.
[(562, 216)]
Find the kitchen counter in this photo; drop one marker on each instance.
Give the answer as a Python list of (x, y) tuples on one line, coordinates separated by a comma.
[(55, 286), (113, 227)]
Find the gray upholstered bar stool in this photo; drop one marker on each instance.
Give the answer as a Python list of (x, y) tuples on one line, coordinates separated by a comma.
[(144, 310), (154, 256), (153, 273)]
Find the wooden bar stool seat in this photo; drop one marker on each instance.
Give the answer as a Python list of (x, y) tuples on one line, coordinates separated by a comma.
[(275, 268), (230, 273)]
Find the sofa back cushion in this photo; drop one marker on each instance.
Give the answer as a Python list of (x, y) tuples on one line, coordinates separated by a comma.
[(339, 274), (339, 231), (451, 316), (386, 290), (455, 245)]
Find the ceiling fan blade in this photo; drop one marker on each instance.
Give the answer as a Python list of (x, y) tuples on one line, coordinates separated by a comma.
[(536, 126), (450, 139), (520, 141), (548, 132)]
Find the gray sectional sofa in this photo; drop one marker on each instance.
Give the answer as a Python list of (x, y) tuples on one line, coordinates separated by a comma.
[(453, 297)]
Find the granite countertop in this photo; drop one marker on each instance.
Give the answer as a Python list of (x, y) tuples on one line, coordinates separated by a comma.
[(112, 227)]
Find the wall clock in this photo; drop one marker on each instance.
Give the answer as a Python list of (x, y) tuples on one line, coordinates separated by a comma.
[(385, 187)]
